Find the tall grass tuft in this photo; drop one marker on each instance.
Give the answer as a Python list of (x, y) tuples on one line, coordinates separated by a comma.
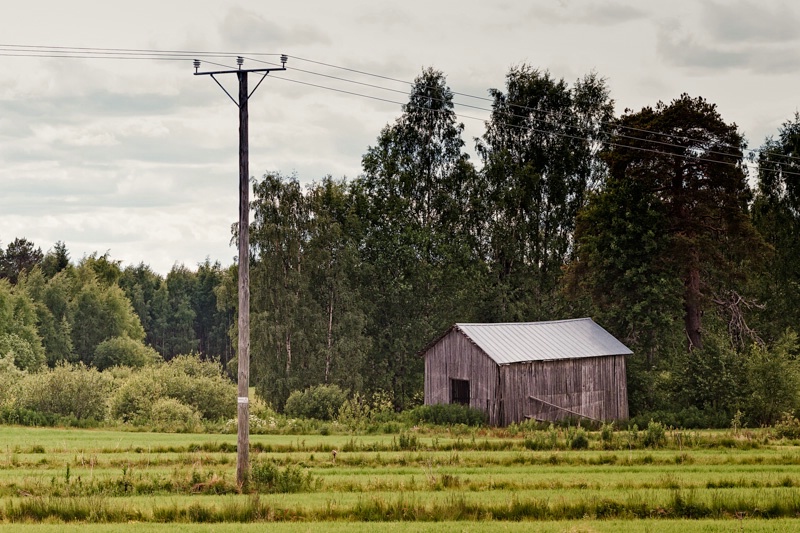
[(93, 509), (267, 477)]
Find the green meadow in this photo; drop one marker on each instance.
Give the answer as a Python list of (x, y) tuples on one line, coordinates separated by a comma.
[(486, 480)]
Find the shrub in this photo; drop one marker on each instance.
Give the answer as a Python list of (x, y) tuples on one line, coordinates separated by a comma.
[(447, 414), (21, 352), (68, 391), (542, 439), (321, 402), (169, 414), (686, 418), (355, 412), (191, 365), (267, 477), (578, 439), (358, 413), (123, 351), (655, 435), (194, 383), (607, 436), (214, 396), (772, 385), (10, 376), (134, 398), (26, 417), (787, 427)]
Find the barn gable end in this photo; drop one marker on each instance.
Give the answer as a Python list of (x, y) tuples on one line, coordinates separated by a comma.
[(455, 357)]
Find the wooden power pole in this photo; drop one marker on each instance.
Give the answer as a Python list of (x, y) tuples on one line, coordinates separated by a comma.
[(243, 352)]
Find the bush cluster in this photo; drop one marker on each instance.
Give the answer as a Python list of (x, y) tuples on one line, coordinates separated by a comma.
[(175, 396), (196, 385), (267, 477), (67, 391), (123, 351), (321, 402), (447, 415)]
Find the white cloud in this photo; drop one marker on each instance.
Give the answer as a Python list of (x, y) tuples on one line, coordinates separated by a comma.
[(74, 136), (249, 29)]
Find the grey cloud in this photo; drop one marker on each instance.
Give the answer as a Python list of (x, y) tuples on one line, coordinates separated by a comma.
[(750, 22), (689, 52), (248, 29), (123, 186), (386, 17), (593, 13), (20, 113)]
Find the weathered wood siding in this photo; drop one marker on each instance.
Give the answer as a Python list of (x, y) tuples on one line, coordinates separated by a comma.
[(595, 387), (456, 357)]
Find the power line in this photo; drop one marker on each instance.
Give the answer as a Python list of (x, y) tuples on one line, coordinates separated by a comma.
[(131, 51), (504, 113), (155, 54), (182, 55), (557, 133), (511, 114), (535, 110)]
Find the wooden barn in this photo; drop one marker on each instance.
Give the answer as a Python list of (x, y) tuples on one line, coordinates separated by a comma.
[(530, 370)]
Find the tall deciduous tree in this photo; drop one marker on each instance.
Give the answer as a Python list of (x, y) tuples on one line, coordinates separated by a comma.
[(179, 333), (278, 306), (51, 298), (141, 284), (539, 164), (417, 185), (333, 265), (99, 312), (19, 336), (776, 214)]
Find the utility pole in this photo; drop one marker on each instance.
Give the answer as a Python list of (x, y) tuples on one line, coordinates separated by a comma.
[(243, 352)]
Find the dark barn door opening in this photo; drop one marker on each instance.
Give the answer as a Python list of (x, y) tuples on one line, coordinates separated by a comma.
[(459, 391)]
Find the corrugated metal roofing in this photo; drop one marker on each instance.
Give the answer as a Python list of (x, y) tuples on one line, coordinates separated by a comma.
[(543, 341)]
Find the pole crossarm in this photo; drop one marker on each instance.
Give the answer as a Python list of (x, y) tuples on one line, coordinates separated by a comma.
[(238, 70), (213, 74)]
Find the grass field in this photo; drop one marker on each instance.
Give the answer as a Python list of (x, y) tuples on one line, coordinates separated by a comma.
[(101, 480)]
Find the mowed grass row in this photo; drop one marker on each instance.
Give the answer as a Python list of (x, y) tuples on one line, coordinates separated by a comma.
[(561, 526), (105, 476), (416, 507), (196, 478)]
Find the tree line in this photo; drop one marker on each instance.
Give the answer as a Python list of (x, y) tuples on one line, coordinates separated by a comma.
[(650, 222), (99, 314)]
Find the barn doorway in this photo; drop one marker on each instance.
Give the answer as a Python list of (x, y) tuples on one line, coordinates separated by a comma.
[(459, 391)]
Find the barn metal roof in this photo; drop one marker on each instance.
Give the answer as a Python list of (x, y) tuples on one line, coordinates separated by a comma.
[(519, 342)]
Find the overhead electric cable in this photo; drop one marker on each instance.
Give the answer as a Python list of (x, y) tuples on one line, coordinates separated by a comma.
[(514, 115), (189, 53), (527, 108), (182, 55), (546, 132)]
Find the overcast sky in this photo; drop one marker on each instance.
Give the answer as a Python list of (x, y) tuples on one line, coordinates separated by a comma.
[(139, 158)]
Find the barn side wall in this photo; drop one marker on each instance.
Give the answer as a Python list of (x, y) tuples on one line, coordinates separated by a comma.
[(456, 357), (595, 387)]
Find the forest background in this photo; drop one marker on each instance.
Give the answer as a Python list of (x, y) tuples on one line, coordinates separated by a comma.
[(660, 223)]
